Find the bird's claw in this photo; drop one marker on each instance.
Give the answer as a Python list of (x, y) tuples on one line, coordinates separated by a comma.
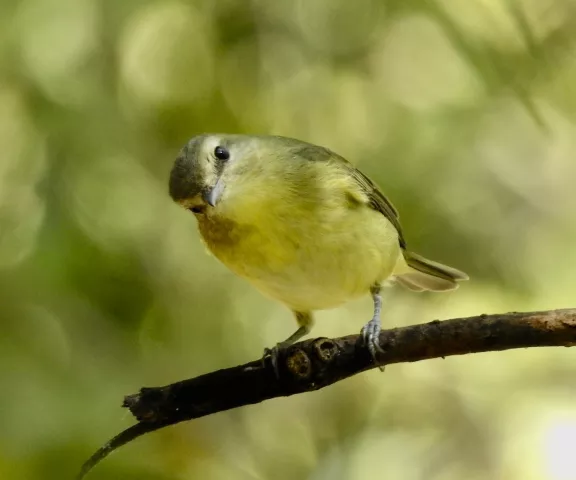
[(274, 354), (371, 336)]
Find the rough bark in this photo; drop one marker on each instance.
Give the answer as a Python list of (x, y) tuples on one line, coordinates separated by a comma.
[(317, 363)]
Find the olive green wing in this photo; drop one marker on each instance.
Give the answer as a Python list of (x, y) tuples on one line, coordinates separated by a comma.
[(376, 198)]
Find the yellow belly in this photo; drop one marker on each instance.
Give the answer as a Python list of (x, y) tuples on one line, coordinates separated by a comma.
[(316, 263)]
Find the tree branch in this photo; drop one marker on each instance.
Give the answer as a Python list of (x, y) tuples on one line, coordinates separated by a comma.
[(317, 363)]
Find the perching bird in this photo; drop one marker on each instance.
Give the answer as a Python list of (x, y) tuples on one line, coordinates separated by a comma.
[(300, 223)]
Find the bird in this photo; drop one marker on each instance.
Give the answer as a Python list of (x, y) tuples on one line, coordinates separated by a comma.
[(300, 223)]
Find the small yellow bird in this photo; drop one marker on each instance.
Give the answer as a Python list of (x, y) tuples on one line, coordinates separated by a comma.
[(300, 223)]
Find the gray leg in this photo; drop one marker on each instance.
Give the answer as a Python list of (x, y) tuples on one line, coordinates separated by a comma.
[(371, 331), (305, 322)]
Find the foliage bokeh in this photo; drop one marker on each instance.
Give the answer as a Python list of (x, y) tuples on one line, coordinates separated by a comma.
[(463, 111)]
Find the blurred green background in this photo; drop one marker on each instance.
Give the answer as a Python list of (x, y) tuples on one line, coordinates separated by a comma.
[(464, 112)]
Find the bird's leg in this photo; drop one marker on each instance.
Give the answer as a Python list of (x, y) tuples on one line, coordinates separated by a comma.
[(305, 322), (371, 331)]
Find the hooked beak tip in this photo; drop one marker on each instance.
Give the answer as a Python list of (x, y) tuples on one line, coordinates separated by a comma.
[(208, 197)]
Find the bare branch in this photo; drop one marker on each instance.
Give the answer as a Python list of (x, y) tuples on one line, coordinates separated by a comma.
[(317, 363)]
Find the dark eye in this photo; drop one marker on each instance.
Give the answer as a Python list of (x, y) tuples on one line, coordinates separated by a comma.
[(221, 153)]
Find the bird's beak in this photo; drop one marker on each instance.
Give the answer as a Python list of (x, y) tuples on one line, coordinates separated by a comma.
[(213, 194)]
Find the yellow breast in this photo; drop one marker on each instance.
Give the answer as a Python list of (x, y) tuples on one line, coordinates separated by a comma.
[(309, 260)]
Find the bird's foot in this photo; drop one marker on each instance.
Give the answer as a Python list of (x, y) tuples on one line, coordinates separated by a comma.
[(274, 354), (371, 336), (305, 324)]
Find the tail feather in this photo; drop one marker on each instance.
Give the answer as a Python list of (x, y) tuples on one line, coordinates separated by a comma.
[(405, 282), (419, 273)]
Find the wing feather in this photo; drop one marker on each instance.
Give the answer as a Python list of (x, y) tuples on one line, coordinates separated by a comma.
[(376, 199)]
